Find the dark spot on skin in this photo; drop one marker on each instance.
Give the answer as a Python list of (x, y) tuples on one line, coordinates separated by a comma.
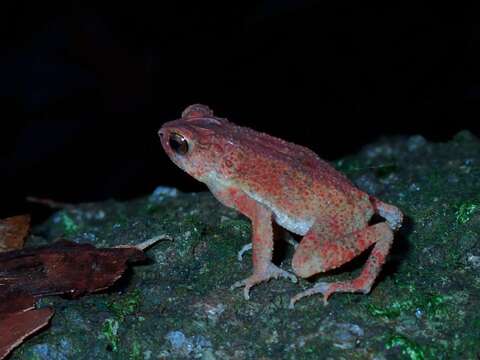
[(228, 163)]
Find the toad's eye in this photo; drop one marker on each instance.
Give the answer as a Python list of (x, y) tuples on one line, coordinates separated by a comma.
[(178, 143)]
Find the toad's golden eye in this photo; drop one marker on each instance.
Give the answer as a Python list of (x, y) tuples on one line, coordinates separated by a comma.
[(178, 143)]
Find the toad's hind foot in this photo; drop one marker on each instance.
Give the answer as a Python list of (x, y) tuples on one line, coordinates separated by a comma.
[(327, 289), (272, 271), (319, 288)]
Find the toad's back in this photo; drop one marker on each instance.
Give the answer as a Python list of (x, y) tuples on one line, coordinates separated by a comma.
[(290, 179)]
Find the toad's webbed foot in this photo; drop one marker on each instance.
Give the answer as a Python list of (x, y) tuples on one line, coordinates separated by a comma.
[(327, 289), (272, 271)]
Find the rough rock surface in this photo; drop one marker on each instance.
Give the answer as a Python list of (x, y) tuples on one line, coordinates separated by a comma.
[(179, 306)]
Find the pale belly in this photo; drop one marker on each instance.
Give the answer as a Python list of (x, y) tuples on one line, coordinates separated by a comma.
[(296, 226), (359, 210)]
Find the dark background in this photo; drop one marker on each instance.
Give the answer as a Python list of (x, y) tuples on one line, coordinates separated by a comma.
[(84, 89)]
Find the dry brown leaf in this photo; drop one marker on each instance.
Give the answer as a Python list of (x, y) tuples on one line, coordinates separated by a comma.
[(13, 302), (13, 232), (17, 326), (61, 268), (64, 267)]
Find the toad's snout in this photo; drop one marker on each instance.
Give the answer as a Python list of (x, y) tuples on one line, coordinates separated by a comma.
[(161, 133)]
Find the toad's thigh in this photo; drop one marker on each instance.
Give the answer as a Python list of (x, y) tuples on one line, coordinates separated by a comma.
[(318, 252)]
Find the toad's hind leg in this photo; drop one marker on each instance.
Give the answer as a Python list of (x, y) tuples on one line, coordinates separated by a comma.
[(318, 255)]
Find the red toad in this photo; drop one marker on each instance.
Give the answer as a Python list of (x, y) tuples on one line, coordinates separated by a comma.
[(266, 178)]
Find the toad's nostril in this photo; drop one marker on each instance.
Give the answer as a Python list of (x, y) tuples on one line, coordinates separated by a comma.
[(160, 133)]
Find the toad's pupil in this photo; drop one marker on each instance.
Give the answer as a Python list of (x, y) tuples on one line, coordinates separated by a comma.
[(178, 143)]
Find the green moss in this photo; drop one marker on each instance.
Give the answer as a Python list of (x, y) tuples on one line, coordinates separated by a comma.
[(408, 347), (465, 212), (136, 352), (125, 305), (121, 307), (110, 333), (390, 311), (69, 225), (430, 305)]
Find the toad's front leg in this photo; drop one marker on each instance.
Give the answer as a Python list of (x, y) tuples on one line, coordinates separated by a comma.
[(262, 237), (262, 246)]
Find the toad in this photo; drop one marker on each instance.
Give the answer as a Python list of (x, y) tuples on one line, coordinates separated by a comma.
[(268, 179)]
